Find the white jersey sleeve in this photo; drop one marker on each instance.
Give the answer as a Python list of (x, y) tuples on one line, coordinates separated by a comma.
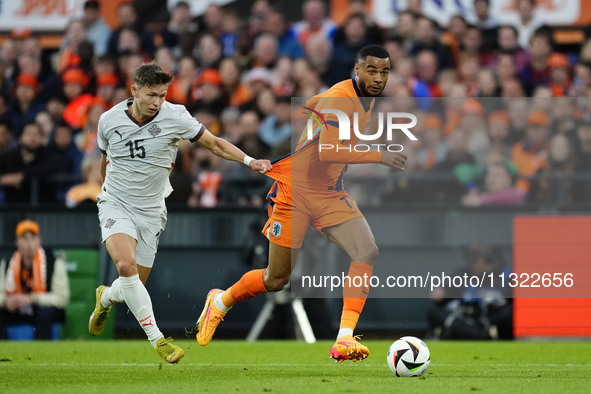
[(101, 138), (189, 127)]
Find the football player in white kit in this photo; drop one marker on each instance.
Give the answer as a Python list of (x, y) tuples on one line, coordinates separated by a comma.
[(139, 140)]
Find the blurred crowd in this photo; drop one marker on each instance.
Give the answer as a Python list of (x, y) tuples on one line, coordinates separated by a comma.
[(503, 117)]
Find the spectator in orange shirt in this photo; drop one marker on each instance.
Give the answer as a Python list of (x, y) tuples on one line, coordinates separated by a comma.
[(91, 186), (237, 93), (530, 154), (105, 88), (559, 74), (75, 34), (180, 87)]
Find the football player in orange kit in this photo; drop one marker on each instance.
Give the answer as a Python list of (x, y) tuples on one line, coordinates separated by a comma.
[(309, 191)]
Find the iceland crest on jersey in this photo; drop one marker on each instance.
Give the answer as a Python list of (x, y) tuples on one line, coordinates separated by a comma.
[(154, 130), (276, 229)]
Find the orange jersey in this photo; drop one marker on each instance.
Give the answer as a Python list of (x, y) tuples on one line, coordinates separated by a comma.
[(314, 165)]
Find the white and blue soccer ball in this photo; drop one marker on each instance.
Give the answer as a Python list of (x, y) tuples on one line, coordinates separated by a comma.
[(408, 356)]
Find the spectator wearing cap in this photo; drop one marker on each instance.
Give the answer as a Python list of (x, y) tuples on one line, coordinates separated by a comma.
[(435, 148), (499, 128), (97, 31), (530, 154), (34, 287), (69, 56), (473, 124), (315, 22), (28, 163), (26, 104), (208, 92), (105, 88), (73, 83), (559, 69), (256, 80), (127, 18), (288, 44)]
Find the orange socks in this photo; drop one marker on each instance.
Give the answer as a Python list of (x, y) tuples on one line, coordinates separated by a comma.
[(249, 286), (354, 297)]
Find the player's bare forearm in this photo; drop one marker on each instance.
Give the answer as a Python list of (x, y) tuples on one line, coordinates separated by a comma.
[(394, 160), (103, 167), (226, 150)]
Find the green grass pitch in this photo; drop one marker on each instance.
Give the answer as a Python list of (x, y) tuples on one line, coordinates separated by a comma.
[(289, 367)]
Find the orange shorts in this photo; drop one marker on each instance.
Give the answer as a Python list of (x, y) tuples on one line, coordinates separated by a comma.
[(291, 212)]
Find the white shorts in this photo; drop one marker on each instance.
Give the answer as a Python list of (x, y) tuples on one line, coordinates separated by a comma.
[(114, 218)]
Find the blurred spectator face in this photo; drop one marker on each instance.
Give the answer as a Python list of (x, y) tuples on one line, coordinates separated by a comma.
[(187, 68), (559, 75), (406, 25), (25, 94), (471, 121), (28, 244), (518, 108), (301, 68), (90, 15), (481, 10), (229, 72), (73, 90), (357, 7), (284, 69), (265, 49), (210, 92), (469, 68), (540, 46), (104, 66), (584, 134), (230, 23), (427, 66), (105, 92), (63, 137), (414, 6), (129, 40), (525, 9), (487, 84), (394, 49), (164, 58), (45, 123), (181, 14), (56, 108), (355, 30), (31, 138), (213, 18), (497, 179), (94, 113), (472, 40), (495, 156), (583, 74), (560, 149), (563, 108), (498, 131), (425, 32), (405, 68), (512, 88), (266, 101), (261, 8), (275, 24), (507, 38), (537, 134), (29, 64), (457, 142), (230, 124), (31, 46), (126, 15), (318, 50), (314, 13), (506, 67), (209, 49), (446, 80), (457, 26), (5, 136), (75, 33), (249, 121), (283, 112), (542, 99), (8, 50)]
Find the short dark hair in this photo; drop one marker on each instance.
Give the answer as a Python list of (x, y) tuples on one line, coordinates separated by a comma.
[(91, 5), (150, 74), (372, 50), (510, 27)]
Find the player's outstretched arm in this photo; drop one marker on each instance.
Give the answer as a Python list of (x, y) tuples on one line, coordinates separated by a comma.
[(226, 150), (394, 160)]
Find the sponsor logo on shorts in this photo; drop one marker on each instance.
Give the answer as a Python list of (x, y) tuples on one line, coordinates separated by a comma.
[(154, 130), (276, 229), (110, 223)]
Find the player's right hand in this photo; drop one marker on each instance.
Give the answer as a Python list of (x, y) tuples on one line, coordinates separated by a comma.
[(261, 166), (394, 160)]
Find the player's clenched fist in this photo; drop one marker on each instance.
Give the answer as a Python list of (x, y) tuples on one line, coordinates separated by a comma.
[(394, 160), (261, 166)]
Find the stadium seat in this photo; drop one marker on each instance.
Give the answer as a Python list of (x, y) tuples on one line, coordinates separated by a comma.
[(26, 332)]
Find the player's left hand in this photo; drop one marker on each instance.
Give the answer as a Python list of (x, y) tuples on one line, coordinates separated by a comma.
[(261, 166)]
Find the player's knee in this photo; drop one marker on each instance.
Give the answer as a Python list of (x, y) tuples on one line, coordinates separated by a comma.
[(368, 254), (127, 267), (276, 283)]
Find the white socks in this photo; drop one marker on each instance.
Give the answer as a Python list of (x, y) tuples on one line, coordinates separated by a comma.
[(343, 332), (138, 300), (112, 295), (217, 301)]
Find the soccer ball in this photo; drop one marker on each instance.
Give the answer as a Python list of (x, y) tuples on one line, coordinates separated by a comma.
[(408, 356)]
